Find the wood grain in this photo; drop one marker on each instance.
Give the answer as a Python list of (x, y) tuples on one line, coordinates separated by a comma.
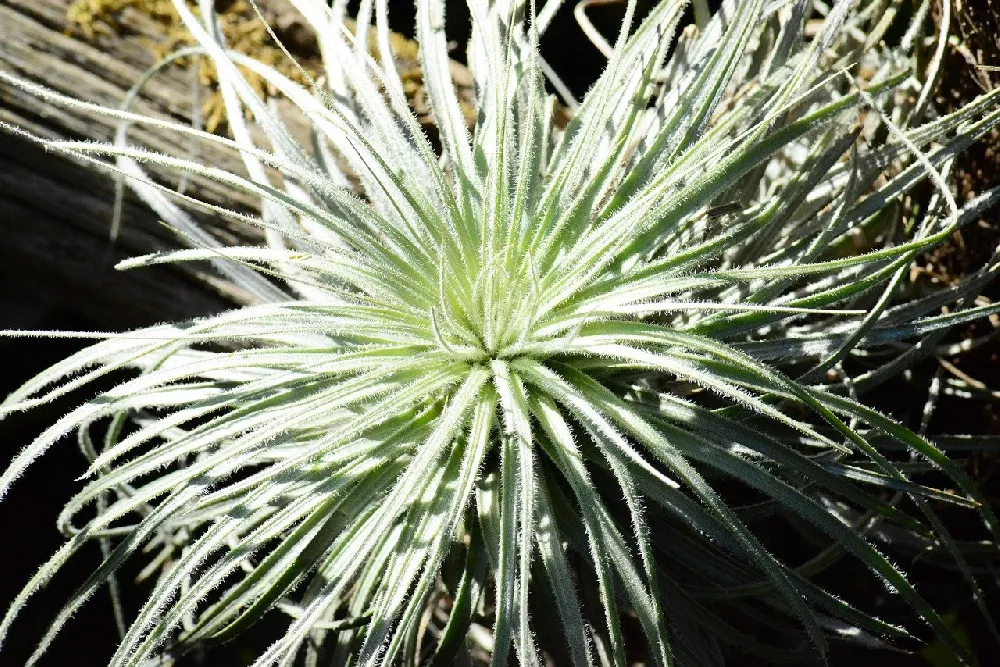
[(55, 213)]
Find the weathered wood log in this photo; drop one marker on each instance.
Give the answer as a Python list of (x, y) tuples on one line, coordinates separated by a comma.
[(55, 213)]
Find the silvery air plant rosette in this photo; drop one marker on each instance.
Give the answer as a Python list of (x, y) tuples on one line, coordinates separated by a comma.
[(541, 391)]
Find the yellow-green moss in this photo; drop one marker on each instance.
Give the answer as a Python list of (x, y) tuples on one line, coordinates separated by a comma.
[(244, 32), (243, 29)]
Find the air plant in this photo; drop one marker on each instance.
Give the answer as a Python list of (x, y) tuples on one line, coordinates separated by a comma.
[(540, 391)]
